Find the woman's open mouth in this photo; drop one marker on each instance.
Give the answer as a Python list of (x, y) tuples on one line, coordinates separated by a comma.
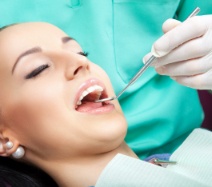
[(91, 91)]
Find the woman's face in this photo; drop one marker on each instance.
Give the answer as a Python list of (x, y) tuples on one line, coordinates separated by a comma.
[(43, 77)]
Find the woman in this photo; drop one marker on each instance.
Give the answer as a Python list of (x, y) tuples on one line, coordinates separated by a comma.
[(48, 115), (118, 34), (44, 79)]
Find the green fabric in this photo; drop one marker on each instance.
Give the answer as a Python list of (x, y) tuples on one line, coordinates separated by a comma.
[(117, 34)]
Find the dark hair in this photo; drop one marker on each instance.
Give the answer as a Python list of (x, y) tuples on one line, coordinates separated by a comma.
[(4, 27), (18, 174)]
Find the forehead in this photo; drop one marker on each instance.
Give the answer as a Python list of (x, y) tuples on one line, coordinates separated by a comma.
[(27, 34), (16, 39)]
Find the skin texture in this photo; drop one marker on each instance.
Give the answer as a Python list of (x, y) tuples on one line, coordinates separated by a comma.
[(39, 113)]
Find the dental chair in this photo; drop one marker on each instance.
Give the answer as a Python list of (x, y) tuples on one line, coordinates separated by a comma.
[(206, 101)]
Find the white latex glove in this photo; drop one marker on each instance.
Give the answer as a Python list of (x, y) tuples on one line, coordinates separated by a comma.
[(185, 51)]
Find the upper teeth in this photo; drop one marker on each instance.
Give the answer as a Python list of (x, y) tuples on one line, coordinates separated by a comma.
[(97, 88)]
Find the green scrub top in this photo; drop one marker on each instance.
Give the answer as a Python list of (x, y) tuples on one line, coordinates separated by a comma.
[(117, 34)]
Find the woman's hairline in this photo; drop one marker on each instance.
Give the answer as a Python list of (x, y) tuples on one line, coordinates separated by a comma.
[(6, 26)]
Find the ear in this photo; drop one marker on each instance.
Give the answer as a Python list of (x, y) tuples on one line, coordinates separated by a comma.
[(2, 145), (6, 151)]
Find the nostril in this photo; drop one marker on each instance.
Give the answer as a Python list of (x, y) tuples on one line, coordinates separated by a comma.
[(76, 71)]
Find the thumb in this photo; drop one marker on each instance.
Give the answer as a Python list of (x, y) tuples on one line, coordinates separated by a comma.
[(169, 24)]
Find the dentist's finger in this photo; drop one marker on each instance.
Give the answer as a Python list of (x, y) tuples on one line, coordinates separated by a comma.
[(189, 29), (195, 48), (201, 81), (187, 68), (169, 24)]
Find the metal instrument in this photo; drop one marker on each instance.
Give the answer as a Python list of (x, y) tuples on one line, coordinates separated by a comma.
[(142, 70)]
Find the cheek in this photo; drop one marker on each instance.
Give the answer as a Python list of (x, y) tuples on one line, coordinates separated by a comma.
[(40, 113), (29, 108)]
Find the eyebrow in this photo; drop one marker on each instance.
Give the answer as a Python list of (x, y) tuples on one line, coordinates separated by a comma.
[(28, 52), (64, 40)]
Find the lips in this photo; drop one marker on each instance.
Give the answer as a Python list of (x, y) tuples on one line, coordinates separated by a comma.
[(90, 91)]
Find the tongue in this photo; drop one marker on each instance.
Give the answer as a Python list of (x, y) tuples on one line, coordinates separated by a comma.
[(88, 106)]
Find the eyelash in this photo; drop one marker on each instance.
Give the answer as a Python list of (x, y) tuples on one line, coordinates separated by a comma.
[(83, 53), (41, 68), (37, 71)]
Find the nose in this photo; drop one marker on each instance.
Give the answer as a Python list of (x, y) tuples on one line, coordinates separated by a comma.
[(77, 65)]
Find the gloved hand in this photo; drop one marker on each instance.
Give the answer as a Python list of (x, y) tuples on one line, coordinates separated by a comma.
[(185, 51)]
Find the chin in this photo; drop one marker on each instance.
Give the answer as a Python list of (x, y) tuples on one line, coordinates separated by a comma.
[(113, 129)]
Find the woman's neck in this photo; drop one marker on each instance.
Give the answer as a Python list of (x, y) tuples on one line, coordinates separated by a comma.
[(85, 171)]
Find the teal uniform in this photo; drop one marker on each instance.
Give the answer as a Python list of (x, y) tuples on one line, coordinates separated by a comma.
[(117, 34)]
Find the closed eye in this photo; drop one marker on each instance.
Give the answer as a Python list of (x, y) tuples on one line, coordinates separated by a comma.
[(83, 54), (37, 71)]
